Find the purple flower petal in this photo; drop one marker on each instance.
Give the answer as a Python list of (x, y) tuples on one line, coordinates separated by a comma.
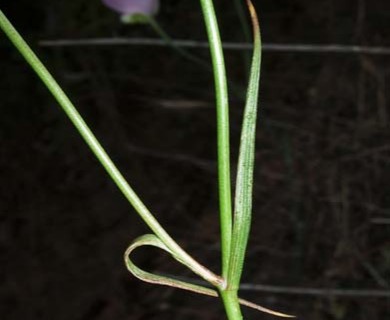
[(126, 7)]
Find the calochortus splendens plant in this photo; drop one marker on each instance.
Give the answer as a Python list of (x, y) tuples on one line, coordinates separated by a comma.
[(234, 227)]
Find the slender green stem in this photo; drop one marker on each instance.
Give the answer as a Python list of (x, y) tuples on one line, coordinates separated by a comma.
[(101, 154), (231, 304), (222, 131), (229, 298)]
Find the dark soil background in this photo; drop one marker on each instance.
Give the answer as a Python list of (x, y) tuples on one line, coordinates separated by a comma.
[(321, 216)]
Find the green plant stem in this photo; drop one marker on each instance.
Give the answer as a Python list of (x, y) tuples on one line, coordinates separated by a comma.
[(231, 304), (229, 298), (222, 131), (101, 154)]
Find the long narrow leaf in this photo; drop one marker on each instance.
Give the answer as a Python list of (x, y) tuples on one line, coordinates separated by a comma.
[(244, 181)]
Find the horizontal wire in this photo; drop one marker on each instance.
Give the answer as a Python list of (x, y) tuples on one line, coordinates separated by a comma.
[(306, 48), (317, 291), (324, 292)]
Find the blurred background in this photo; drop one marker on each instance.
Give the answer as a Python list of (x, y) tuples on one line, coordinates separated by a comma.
[(320, 240)]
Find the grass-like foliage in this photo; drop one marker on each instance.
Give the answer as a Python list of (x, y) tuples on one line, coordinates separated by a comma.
[(235, 224)]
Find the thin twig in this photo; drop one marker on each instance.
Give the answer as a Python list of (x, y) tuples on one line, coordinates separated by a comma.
[(308, 48)]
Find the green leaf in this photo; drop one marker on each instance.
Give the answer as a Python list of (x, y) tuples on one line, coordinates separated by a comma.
[(244, 181), (152, 240)]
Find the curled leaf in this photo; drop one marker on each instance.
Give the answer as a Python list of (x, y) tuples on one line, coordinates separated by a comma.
[(154, 241)]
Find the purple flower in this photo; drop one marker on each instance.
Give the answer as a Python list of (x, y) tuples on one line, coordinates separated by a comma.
[(133, 7)]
